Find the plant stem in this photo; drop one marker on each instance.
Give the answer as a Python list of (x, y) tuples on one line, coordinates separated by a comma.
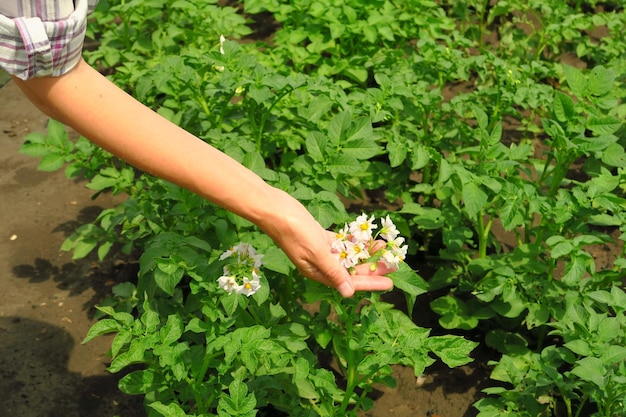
[(581, 405), (351, 363), (483, 235), (261, 125)]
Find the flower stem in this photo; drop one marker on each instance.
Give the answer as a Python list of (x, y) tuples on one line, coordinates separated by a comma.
[(351, 360)]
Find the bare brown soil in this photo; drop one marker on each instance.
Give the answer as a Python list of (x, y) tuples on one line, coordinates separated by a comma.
[(47, 300)]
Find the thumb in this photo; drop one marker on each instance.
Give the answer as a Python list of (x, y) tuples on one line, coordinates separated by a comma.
[(346, 289), (337, 276)]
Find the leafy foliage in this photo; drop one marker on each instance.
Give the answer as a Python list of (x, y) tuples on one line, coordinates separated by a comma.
[(506, 165)]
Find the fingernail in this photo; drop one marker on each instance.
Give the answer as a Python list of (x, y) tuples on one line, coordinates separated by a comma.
[(345, 289)]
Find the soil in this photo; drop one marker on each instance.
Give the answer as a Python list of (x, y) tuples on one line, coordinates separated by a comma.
[(47, 302)]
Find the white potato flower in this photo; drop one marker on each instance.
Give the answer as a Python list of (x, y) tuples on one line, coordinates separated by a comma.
[(246, 263), (228, 284), (361, 229), (249, 286)]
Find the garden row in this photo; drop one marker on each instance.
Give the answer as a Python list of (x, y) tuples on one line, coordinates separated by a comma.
[(463, 114)]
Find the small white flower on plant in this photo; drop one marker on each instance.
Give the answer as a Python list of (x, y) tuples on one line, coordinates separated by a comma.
[(249, 286), (342, 233), (344, 250), (394, 252), (361, 228), (388, 230), (228, 284), (222, 40), (246, 263), (358, 252), (220, 68)]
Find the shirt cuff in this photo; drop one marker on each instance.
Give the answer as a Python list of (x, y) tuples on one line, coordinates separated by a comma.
[(30, 47)]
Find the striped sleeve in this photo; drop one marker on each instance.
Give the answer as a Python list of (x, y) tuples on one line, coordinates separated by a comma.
[(32, 47)]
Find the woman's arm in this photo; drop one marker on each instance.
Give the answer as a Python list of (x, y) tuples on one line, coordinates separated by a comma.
[(86, 101)]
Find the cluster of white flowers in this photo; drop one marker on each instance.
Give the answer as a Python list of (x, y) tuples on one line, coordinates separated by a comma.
[(242, 274), (357, 243)]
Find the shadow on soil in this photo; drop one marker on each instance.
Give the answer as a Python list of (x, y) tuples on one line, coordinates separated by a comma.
[(35, 382)]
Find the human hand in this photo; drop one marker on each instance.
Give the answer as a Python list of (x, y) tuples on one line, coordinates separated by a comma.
[(308, 245)]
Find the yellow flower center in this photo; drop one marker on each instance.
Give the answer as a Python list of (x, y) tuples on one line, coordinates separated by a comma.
[(364, 226)]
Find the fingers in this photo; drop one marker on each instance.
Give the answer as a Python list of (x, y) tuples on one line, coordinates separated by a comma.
[(331, 273), (380, 269), (371, 283), (364, 278)]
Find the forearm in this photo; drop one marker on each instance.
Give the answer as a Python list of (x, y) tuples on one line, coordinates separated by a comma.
[(86, 101), (94, 107)]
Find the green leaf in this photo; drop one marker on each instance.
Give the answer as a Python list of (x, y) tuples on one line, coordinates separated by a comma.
[(511, 213), (576, 81), (101, 327), (238, 403), (579, 347), (496, 133), (619, 298), (481, 117), (574, 271), (356, 73), (613, 354), (275, 260), (410, 283), (138, 382), (425, 217), (51, 162), (604, 219), (150, 318), (172, 330), (135, 354), (343, 164), (561, 249), (475, 199), (260, 95), (57, 134), (231, 302), (361, 148), (453, 350), (323, 212), (120, 341), (338, 125), (361, 128), (506, 342), (563, 107), (169, 410), (167, 275), (454, 313), (591, 369), (34, 149), (104, 250), (603, 125), (600, 81), (420, 156), (315, 143)]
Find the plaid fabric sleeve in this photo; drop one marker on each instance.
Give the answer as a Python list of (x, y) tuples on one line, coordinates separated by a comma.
[(30, 47)]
